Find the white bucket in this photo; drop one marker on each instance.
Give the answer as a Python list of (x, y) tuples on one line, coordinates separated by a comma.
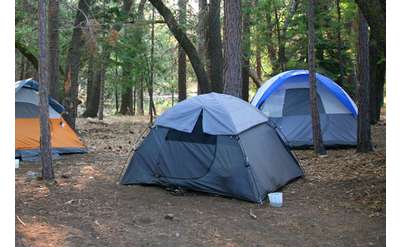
[(275, 199), (16, 163)]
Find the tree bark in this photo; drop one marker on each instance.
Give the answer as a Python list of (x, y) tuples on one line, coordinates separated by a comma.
[(270, 45), (101, 91), (214, 47), (71, 84), (151, 81), (232, 48), (93, 88), (246, 48), (377, 79), (319, 148), (181, 53), (126, 102), (126, 94), (53, 36), (45, 141), (202, 31), (282, 34), (139, 105), (186, 44), (339, 44), (364, 129)]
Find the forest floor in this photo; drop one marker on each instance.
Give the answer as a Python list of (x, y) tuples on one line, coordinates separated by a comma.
[(339, 202)]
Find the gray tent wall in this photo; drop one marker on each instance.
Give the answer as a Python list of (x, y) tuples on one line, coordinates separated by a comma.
[(242, 167)]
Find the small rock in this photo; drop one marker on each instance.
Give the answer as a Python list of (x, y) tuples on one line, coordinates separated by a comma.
[(169, 217), (177, 234)]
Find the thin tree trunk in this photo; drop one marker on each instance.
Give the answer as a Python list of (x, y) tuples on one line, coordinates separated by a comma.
[(151, 81), (53, 36), (116, 86), (214, 47), (186, 44), (278, 36), (339, 44), (71, 84), (232, 48), (271, 49), (258, 62), (319, 148), (246, 49), (101, 91), (134, 100), (45, 141), (364, 129), (181, 53), (22, 68), (139, 103)]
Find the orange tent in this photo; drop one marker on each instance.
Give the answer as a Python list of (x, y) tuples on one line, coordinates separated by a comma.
[(27, 128)]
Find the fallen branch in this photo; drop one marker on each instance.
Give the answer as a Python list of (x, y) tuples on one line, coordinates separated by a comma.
[(20, 221)]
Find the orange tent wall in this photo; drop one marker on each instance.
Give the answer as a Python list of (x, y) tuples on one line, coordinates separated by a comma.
[(27, 134)]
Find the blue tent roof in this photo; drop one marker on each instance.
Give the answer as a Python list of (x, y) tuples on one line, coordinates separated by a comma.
[(34, 85), (275, 82)]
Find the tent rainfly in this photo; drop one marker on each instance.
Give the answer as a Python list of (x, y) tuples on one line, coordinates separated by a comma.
[(27, 128), (285, 100), (214, 143)]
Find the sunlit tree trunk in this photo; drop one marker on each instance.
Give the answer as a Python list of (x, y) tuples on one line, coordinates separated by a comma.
[(45, 142), (319, 148)]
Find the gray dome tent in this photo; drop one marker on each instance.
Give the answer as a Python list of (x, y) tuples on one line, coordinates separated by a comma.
[(214, 143)]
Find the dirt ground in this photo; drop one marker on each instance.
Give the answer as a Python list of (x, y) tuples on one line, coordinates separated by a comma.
[(340, 202)]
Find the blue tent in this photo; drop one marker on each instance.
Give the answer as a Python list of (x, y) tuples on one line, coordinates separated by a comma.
[(285, 101)]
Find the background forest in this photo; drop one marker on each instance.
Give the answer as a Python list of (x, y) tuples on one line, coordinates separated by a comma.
[(113, 56)]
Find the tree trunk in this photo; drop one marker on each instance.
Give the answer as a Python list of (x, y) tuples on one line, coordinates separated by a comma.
[(246, 53), (319, 148), (214, 47), (101, 91), (93, 88), (364, 129), (151, 81), (339, 44), (53, 26), (126, 102), (45, 141), (139, 103), (22, 68), (181, 53), (258, 62), (282, 34), (278, 36), (186, 44), (71, 84), (116, 86), (232, 49), (271, 49), (126, 95)]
